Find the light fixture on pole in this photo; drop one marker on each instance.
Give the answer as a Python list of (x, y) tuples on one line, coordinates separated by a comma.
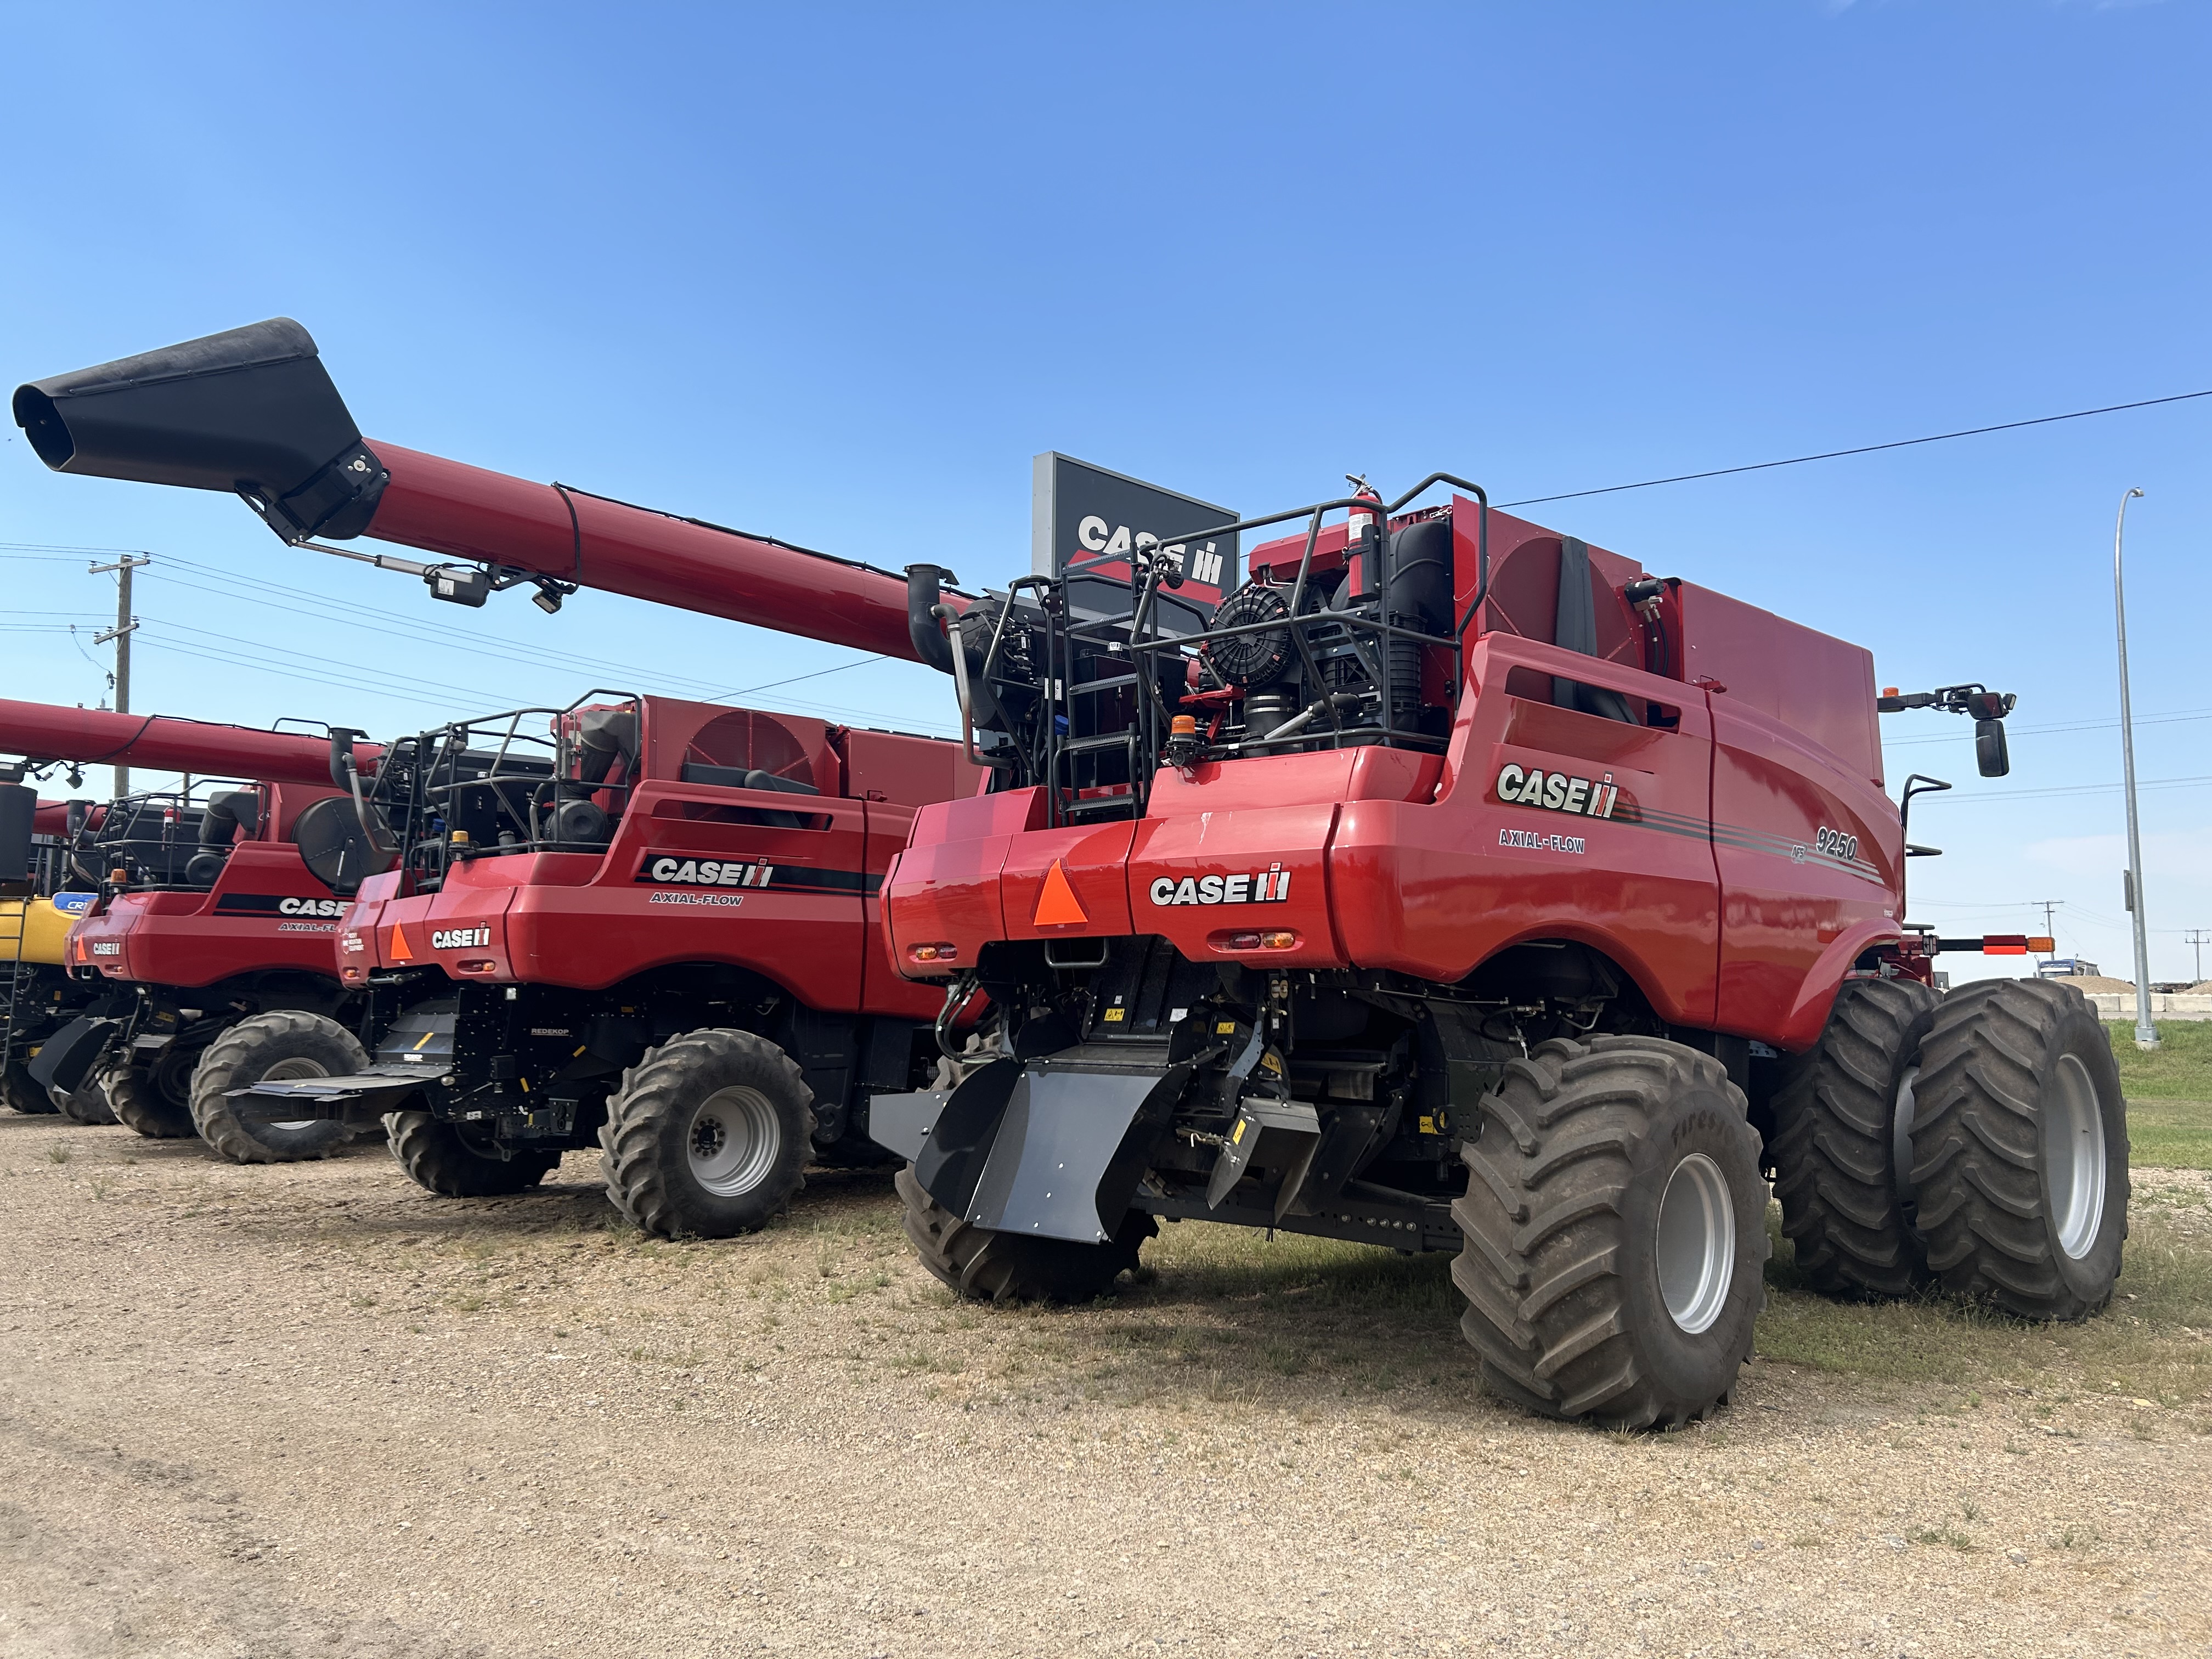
[(2146, 1033)]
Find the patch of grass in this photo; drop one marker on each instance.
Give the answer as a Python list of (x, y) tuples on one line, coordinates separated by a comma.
[(2179, 1068), (2148, 1346), (60, 1154), (2170, 1134)]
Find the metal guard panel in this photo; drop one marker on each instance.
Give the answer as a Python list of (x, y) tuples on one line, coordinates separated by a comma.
[(1056, 1166), (328, 1096)]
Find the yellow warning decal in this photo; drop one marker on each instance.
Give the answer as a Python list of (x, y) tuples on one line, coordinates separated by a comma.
[(1428, 1126), (1226, 1028), (1237, 1133), (1113, 1014), (1271, 1061)]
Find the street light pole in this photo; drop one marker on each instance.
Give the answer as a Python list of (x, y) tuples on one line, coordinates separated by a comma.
[(2146, 1033)]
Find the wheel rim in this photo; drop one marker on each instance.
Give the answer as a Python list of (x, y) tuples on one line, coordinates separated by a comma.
[(1900, 1133), (734, 1141), (2074, 1156), (1696, 1244), (284, 1071)]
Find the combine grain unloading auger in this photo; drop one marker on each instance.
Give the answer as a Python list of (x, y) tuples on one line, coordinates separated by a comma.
[(639, 921), (253, 412), (1463, 886), (176, 915)]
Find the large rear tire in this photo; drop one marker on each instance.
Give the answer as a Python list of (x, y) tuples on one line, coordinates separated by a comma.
[(438, 1157), (709, 1136), (270, 1048), (1842, 1150), (136, 1097), (994, 1266), (25, 1096), (2019, 1146), (1615, 1224)]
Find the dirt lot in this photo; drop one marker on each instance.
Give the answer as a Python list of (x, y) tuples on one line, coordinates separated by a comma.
[(313, 1410)]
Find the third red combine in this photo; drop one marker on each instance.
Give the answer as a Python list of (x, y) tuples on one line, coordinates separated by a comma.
[(1461, 886)]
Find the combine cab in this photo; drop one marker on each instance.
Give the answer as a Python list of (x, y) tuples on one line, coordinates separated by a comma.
[(1461, 886)]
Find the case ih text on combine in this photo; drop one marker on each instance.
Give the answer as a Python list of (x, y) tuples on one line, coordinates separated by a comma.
[(637, 922)]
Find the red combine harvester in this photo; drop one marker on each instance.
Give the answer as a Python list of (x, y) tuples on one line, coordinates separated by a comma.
[(205, 911), (639, 921), (1463, 887)]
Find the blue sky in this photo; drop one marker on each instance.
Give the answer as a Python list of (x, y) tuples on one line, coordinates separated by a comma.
[(836, 273)]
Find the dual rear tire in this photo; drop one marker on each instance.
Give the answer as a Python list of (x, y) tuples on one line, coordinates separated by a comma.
[(1976, 1143)]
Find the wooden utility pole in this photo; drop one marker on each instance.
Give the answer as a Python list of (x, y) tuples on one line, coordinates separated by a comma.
[(125, 625)]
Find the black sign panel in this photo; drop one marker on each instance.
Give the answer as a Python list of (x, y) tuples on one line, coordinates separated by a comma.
[(1081, 512)]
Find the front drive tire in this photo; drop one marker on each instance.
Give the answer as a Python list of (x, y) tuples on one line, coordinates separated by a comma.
[(709, 1136), (440, 1158), (1841, 1165), (2019, 1149), (1615, 1224), (996, 1267), (285, 1043)]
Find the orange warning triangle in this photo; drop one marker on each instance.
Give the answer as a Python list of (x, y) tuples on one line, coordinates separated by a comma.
[(1057, 905), (399, 950)]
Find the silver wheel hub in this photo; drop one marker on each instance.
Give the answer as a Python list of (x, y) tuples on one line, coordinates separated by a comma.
[(2074, 1156), (734, 1141), (284, 1071), (1696, 1244)]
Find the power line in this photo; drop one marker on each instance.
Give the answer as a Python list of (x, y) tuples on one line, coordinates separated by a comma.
[(2070, 725), (2072, 789), (1862, 449)]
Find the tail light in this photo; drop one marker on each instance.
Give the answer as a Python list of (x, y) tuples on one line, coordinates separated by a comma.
[(934, 953)]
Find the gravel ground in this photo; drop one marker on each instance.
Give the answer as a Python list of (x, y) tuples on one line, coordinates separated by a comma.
[(310, 1409)]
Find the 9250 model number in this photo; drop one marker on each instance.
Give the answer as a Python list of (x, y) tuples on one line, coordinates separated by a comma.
[(1836, 844)]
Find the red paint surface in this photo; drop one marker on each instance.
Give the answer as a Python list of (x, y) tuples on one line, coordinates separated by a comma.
[(470, 513), (1709, 885), (97, 737)]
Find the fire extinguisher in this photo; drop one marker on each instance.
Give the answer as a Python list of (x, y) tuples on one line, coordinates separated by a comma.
[(1365, 527)]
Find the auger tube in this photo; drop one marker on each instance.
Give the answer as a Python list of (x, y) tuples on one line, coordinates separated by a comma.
[(253, 411)]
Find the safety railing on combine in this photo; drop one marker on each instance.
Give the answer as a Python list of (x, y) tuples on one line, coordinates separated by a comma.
[(1141, 740), (492, 786)]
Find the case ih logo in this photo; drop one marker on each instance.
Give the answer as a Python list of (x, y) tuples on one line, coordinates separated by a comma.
[(705, 872), (1269, 886), (332, 908), (459, 939), (1200, 563), (1558, 792), (272, 904)]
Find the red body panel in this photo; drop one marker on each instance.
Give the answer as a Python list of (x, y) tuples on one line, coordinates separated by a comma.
[(800, 907), (1734, 855), (266, 914)]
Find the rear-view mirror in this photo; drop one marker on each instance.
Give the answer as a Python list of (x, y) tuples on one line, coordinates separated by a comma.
[(1989, 752)]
